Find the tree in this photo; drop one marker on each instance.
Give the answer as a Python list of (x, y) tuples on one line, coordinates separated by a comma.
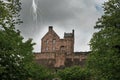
[(74, 73), (15, 55), (39, 72), (111, 17), (9, 13), (104, 60)]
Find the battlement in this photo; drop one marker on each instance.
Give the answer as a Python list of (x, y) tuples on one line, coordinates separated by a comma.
[(69, 35), (58, 60)]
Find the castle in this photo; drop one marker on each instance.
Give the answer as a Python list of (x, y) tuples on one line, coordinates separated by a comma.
[(51, 42), (59, 53)]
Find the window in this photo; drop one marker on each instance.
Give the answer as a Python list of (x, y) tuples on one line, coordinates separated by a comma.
[(62, 48), (54, 41), (47, 41), (53, 48), (46, 48)]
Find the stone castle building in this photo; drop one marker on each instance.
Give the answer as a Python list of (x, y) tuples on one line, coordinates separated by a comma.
[(51, 42), (59, 53)]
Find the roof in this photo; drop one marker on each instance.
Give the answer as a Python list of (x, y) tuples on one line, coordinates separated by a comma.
[(49, 32)]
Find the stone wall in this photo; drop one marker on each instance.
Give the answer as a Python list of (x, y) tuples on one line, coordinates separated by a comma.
[(61, 60)]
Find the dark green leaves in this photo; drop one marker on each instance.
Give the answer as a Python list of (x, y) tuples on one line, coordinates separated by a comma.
[(75, 73), (104, 60)]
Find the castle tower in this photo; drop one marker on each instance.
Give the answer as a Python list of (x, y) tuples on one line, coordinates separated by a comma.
[(69, 38), (51, 42)]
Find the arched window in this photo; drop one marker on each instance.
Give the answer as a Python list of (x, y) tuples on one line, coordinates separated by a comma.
[(62, 48)]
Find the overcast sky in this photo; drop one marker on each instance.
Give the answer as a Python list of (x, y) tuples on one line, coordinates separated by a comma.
[(63, 15)]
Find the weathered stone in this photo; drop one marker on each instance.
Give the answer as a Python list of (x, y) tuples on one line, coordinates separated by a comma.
[(59, 53)]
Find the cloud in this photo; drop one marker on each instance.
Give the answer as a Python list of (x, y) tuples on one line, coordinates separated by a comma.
[(63, 15)]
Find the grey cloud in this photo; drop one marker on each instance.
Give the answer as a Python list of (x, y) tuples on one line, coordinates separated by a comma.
[(64, 15)]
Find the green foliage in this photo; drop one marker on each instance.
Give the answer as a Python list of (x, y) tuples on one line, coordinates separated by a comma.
[(39, 72), (111, 18), (9, 13), (15, 55), (74, 73), (104, 60)]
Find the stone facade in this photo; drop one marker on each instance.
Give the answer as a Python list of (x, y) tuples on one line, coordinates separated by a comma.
[(61, 60), (51, 42), (59, 53)]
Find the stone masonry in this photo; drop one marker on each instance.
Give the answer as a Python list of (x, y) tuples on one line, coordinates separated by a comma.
[(51, 42), (59, 53)]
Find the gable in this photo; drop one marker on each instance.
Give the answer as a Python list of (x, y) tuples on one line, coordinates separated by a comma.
[(51, 34)]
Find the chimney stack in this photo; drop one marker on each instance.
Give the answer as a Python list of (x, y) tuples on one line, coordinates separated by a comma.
[(73, 32), (50, 28)]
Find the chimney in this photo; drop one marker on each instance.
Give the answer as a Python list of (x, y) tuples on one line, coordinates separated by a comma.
[(50, 28), (73, 32)]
